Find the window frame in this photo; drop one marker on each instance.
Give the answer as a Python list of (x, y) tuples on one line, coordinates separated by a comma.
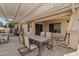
[(53, 31)]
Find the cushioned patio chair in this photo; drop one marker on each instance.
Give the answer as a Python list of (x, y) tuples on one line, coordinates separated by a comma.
[(26, 43), (49, 35), (42, 34), (50, 43), (63, 42)]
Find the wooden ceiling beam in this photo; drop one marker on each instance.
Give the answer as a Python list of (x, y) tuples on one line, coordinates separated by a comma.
[(30, 12), (19, 6), (60, 15), (3, 12)]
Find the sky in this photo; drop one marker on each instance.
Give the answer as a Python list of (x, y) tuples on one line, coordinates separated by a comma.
[(3, 20)]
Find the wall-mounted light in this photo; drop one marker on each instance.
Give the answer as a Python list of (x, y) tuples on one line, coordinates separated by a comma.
[(67, 21)]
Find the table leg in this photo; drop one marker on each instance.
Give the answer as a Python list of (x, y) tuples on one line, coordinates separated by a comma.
[(40, 50)]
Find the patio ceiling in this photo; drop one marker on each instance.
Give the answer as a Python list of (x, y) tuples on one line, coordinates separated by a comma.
[(59, 16), (29, 11)]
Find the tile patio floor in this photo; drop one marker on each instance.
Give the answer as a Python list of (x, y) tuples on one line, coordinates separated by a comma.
[(10, 49)]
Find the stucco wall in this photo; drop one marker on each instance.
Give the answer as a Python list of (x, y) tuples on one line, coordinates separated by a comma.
[(64, 25)]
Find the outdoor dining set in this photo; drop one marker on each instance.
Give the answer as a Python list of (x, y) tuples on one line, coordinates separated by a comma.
[(32, 42)]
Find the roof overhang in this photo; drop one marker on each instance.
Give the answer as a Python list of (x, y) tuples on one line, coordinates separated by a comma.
[(26, 12)]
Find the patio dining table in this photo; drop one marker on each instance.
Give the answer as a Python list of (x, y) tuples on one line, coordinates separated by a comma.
[(40, 41)]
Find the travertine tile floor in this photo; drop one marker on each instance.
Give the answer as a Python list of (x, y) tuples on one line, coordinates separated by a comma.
[(10, 49)]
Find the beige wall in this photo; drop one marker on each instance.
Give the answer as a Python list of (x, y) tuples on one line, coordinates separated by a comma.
[(64, 25), (46, 26), (32, 28)]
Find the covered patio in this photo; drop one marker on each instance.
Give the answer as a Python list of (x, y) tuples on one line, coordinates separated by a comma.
[(38, 20)]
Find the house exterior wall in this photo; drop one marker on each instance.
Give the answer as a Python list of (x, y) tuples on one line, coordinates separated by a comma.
[(72, 27), (63, 22), (64, 25)]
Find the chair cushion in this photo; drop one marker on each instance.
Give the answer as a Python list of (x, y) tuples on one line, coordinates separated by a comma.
[(33, 46), (42, 34), (49, 35)]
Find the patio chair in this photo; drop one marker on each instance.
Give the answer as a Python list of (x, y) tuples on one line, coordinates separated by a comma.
[(63, 42), (42, 34), (26, 43), (49, 35), (50, 43)]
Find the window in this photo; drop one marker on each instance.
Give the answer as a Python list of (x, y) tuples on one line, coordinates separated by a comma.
[(28, 27), (38, 28), (55, 27)]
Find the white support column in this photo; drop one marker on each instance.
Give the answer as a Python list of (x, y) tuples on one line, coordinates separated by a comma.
[(25, 26)]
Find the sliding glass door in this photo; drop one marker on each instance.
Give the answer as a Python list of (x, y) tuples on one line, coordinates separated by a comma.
[(38, 28)]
